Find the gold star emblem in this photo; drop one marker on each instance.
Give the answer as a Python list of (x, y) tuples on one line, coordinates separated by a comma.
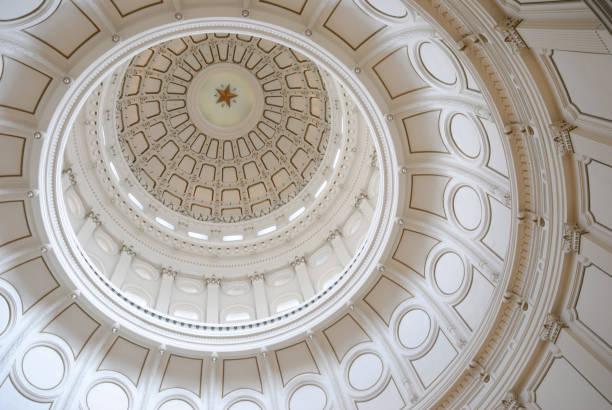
[(225, 96)]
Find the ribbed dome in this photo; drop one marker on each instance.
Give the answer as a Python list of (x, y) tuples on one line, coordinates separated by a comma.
[(302, 204), (215, 159)]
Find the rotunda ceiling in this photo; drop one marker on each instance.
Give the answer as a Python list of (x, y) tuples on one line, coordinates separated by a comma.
[(222, 127), (321, 209)]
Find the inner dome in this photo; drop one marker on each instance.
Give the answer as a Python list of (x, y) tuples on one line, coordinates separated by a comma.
[(222, 127), (235, 182)]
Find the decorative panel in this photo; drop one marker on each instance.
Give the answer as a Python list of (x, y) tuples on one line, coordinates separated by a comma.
[(66, 30), (12, 398), (183, 373), (397, 74), (413, 249), (427, 193), (498, 233), (497, 157), (599, 176), (344, 335), (33, 281), (73, 325), (13, 94), (594, 296), (127, 7), (388, 399), (423, 132), (295, 360), (385, 296), (241, 374), (585, 77), (295, 6), (14, 222), (432, 364), (351, 25), (479, 295), (125, 357), (12, 148), (563, 387)]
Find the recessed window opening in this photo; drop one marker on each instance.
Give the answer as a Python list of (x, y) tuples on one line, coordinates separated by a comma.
[(296, 213), (163, 222), (135, 201), (286, 305), (114, 171), (266, 230), (198, 235), (320, 190), (230, 238), (336, 159), (237, 316)]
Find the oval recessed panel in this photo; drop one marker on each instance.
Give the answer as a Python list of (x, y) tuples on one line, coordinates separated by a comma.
[(365, 371), (308, 397), (467, 208), (448, 272), (390, 8), (13, 10), (144, 270), (437, 62), (245, 405), (190, 286), (5, 314), (74, 203), (465, 135), (413, 328), (43, 367), (176, 404), (235, 288), (106, 395), (105, 242)]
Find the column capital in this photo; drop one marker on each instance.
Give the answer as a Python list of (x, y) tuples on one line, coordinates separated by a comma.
[(168, 272), (127, 249), (373, 159), (551, 328), (334, 234), (359, 198), (298, 260), (213, 281), (256, 277), (71, 176), (562, 137), (94, 217)]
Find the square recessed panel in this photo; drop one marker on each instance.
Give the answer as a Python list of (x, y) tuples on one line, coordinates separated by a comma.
[(33, 281), (351, 25), (397, 74), (13, 222), (13, 94), (66, 30), (294, 6), (11, 155), (127, 7)]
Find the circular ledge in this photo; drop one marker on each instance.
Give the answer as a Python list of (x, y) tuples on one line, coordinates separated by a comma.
[(67, 255)]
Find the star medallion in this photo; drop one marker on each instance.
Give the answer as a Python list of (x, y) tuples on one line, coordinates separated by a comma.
[(225, 96)]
